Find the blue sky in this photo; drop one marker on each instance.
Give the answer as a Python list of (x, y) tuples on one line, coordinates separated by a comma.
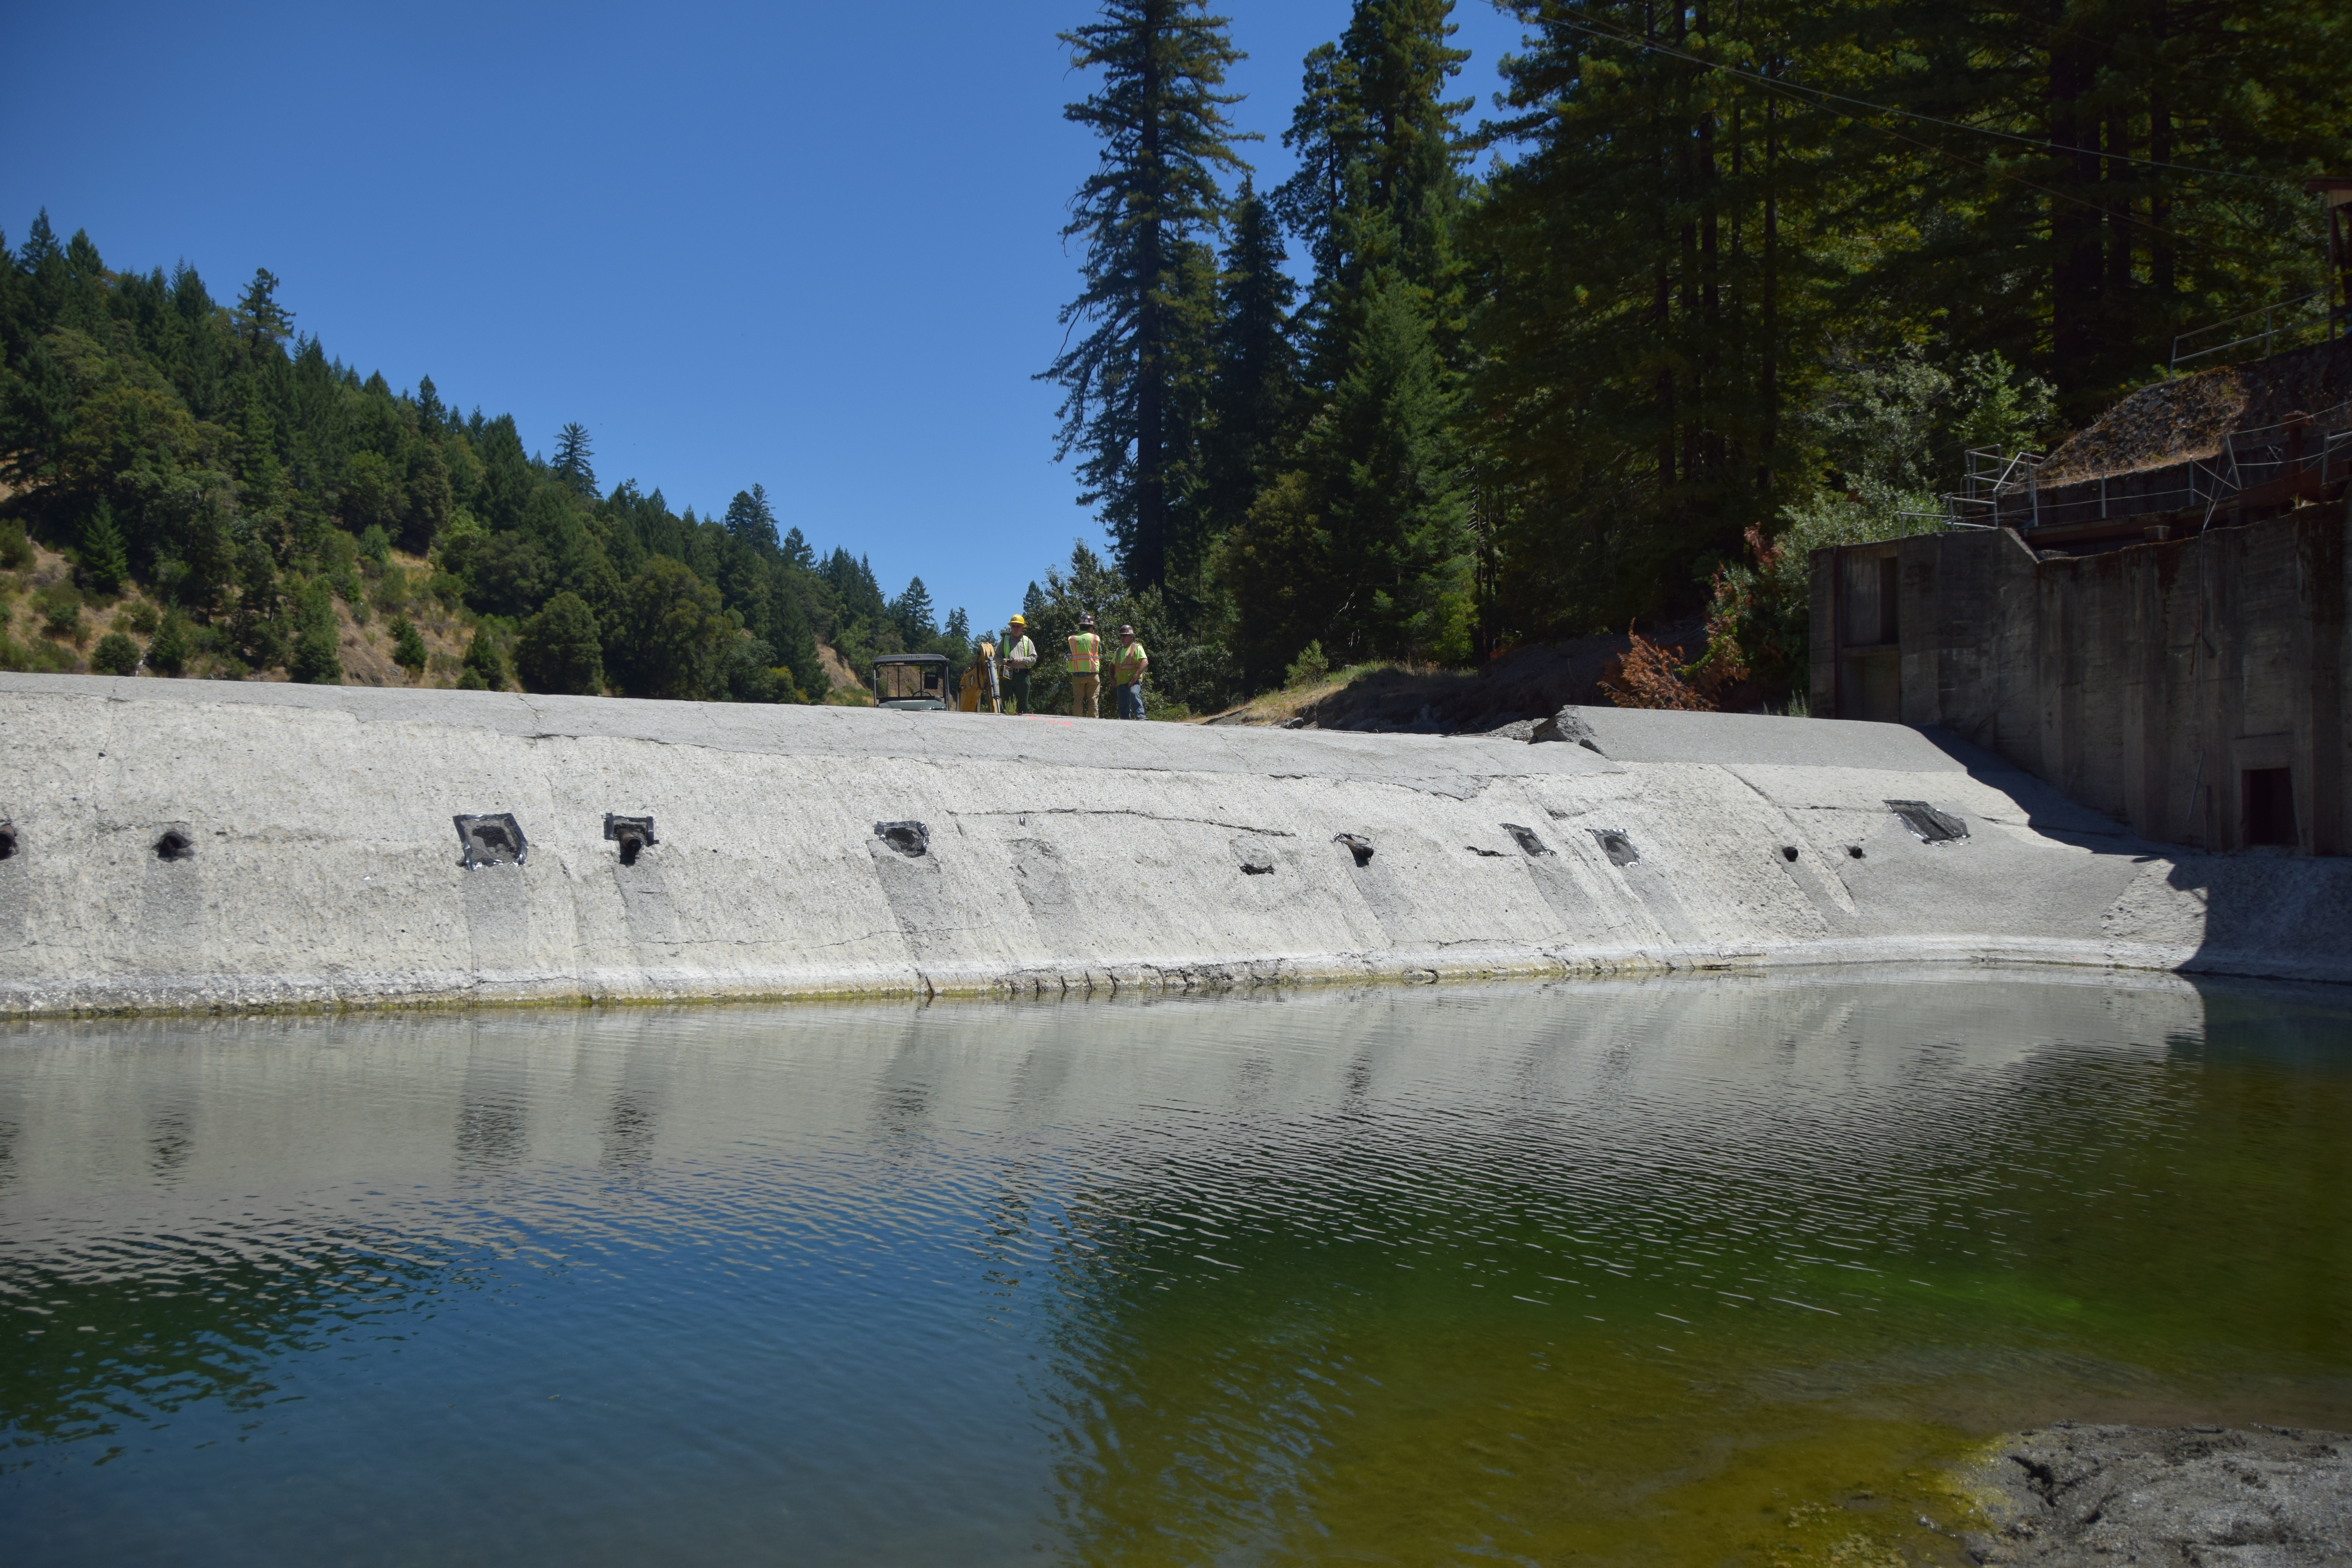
[(813, 246)]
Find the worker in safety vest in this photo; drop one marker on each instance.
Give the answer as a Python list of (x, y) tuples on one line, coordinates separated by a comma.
[(1127, 667), (1086, 670), (1020, 658)]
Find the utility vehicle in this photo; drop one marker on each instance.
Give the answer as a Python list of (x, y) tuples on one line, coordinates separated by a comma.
[(913, 682)]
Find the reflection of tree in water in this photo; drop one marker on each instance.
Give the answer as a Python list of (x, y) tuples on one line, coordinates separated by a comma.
[(629, 1135), (8, 1135), (169, 1141), (149, 1326), (490, 1133)]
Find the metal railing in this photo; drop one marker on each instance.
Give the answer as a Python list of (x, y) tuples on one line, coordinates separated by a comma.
[(2295, 318), (1989, 475), (2004, 489)]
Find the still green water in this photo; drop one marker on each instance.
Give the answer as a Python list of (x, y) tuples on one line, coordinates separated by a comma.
[(1698, 1271)]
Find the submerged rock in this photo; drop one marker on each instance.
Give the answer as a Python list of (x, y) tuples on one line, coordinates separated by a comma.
[(2070, 1495)]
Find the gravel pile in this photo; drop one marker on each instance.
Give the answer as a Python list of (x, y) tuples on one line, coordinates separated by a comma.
[(2172, 421)]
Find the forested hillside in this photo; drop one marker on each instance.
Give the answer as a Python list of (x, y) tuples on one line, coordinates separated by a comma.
[(1715, 283), (233, 502), (1709, 285)]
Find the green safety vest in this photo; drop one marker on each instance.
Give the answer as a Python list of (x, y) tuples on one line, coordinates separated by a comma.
[(1126, 664), (1086, 653)]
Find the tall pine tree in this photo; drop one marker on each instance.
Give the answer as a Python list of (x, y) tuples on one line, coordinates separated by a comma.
[(1135, 381), (1254, 395), (1362, 542)]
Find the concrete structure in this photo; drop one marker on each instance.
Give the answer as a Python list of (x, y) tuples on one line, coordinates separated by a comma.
[(2194, 689), (204, 844)]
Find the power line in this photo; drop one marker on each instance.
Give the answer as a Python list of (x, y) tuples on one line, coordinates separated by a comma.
[(1913, 114)]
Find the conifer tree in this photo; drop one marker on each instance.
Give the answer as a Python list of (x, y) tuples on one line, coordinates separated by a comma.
[(168, 653), (1363, 546), (409, 649), (573, 452), (266, 322), (916, 621), (1254, 392), (40, 244), (1134, 382), (316, 659), (751, 518), (104, 565), (1361, 542), (1378, 183)]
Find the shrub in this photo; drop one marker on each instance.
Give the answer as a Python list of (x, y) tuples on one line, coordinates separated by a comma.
[(749, 673), (562, 648), (375, 545), (409, 649), (60, 605), (316, 659), (673, 633), (346, 586), (1309, 668), (1647, 677), (142, 617), (168, 653), (390, 594), (15, 550), (34, 654), (114, 654), (486, 667)]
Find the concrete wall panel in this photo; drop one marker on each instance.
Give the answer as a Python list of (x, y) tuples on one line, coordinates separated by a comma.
[(2143, 682)]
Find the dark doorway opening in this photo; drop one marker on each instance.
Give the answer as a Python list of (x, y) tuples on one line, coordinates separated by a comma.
[(2269, 805)]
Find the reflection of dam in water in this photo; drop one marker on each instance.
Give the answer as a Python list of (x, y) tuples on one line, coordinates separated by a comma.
[(429, 1097), (1589, 1268)]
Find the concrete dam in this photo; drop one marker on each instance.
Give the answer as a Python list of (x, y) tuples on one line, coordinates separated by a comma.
[(208, 846)]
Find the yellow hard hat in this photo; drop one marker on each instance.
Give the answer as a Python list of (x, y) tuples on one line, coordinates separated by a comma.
[(1017, 621)]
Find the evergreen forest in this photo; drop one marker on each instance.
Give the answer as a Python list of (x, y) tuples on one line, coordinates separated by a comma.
[(1707, 285), (232, 502), (1711, 285)]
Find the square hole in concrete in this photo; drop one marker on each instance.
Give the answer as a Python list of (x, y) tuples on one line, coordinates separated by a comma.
[(491, 839)]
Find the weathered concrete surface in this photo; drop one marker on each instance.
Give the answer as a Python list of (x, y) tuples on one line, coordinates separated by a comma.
[(2196, 1496), (2151, 682), (325, 868)]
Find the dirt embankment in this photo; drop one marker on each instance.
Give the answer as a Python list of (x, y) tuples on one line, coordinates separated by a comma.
[(2173, 421), (1526, 683), (364, 649), (836, 668)]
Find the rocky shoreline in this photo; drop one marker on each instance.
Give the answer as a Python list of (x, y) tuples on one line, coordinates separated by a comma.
[(2199, 1497)]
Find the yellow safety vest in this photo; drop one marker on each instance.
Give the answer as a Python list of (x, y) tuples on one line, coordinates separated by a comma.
[(1126, 664), (1086, 653)]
